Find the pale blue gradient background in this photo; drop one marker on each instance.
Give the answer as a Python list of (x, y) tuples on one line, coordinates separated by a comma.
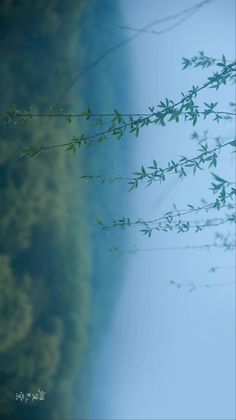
[(170, 354)]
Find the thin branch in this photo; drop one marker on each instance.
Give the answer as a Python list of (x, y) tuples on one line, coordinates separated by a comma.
[(134, 250), (168, 217), (120, 44), (194, 286), (109, 115), (216, 79), (163, 31), (159, 174)]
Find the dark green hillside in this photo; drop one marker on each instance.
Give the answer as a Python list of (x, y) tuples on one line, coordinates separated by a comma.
[(58, 283)]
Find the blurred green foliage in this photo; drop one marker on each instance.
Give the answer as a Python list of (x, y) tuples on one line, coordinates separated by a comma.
[(44, 258), (16, 309), (58, 283)]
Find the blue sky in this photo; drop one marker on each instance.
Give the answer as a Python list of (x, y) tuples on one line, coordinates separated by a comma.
[(170, 354)]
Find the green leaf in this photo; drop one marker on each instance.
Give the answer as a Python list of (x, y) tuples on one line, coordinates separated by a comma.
[(72, 148), (143, 171), (219, 179)]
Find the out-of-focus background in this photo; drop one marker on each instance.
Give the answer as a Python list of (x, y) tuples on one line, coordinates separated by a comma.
[(58, 283), (102, 332)]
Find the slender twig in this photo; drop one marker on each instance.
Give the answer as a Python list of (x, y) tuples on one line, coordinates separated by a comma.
[(192, 286), (140, 121), (170, 215), (162, 31), (109, 115), (121, 44), (135, 249), (154, 175)]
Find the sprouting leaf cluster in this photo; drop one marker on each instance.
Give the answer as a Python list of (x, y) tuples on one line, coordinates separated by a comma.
[(117, 124), (167, 110)]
